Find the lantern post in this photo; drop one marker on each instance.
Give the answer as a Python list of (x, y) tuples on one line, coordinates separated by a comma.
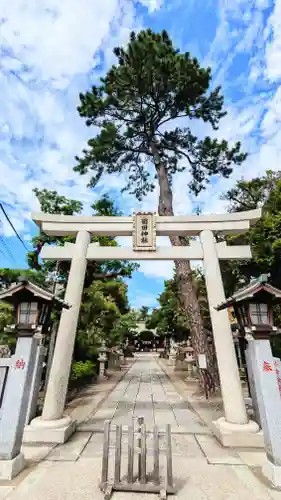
[(253, 309), (32, 309)]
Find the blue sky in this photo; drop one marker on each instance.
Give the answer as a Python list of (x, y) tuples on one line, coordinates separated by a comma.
[(53, 50)]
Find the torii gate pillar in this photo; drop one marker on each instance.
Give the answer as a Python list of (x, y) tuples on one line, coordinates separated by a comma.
[(52, 426), (235, 425)]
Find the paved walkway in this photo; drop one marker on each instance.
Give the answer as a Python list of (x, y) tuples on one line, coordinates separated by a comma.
[(203, 470), (146, 391)]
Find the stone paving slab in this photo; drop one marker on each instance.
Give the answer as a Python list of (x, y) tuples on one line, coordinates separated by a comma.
[(194, 479), (165, 417), (252, 458), (185, 445), (88, 401), (105, 413), (257, 489), (95, 426), (36, 453), (4, 491), (215, 453), (61, 481), (71, 450)]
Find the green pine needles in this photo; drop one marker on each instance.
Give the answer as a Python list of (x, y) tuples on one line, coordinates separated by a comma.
[(143, 111)]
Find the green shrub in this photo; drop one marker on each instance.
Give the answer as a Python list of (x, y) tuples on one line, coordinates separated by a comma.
[(9, 340), (82, 370)]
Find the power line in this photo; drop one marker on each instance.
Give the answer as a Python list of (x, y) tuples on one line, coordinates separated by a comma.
[(12, 226), (1, 251), (8, 250)]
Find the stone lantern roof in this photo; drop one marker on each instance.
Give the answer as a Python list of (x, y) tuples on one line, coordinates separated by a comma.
[(255, 287), (37, 291)]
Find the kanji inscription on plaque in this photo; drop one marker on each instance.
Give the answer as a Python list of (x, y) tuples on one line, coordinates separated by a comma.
[(144, 231)]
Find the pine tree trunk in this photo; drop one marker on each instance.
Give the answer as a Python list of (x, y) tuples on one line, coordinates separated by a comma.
[(187, 292)]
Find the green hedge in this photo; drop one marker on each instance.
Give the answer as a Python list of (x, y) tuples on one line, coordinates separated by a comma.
[(81, 371)]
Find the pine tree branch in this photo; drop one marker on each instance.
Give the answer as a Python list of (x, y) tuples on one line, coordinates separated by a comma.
[(171, 118), (175, 149)]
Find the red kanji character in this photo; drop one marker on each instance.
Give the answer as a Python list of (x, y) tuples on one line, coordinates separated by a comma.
[(267, 367), (20, 364)]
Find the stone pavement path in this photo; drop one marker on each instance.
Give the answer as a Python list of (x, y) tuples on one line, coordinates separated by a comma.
[(146, 391), (203, 470)]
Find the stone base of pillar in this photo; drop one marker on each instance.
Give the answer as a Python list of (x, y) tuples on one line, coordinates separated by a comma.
[(11, 468), (238, 435), (49, 431), (273, 473)]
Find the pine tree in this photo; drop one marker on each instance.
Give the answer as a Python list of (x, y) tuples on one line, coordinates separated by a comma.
[(137, 110)]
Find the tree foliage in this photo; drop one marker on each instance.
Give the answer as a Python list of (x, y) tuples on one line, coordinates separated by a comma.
[(125, 326), (6, 318), (137, 108), (104, 299), (104, 315), (264, 236), (169, 318), (105, 312), (9, 276), (52, 202), (143, 313)]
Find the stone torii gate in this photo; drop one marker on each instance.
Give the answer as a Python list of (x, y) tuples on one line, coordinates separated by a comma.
[(53, 426)]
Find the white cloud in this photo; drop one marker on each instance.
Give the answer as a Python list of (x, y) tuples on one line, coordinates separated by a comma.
[(272, 118), (273, 47), (56, 40), (159, 269), (254, 118), (143, 299), (8, 230), (152, 5), (50, 47)]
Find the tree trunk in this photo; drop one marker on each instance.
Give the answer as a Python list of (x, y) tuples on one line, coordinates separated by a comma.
[(187, 291)]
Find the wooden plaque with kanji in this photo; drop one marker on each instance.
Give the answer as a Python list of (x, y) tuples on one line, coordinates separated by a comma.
[(144, 231)]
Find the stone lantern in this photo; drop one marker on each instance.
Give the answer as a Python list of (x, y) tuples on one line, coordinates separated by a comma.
[(253, 309), (189, 352), (189, 358), (173, 353), (32, 307), (20, 375)]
